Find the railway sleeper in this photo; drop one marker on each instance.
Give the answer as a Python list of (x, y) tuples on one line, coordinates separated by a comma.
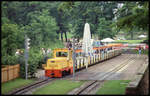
[(90, 88)]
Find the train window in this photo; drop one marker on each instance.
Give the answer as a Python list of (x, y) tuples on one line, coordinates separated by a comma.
[(61, 54)]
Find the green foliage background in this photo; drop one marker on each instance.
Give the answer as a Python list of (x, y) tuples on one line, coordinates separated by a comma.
[(45, 22)]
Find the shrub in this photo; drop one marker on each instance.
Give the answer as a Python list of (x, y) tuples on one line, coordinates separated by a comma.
[(32, 66), (22, 68), (9, 60)]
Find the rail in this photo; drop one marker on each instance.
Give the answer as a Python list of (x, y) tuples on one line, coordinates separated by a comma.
[(90, 85), (31, 86)]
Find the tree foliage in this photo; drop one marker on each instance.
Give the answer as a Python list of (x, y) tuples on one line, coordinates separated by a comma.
[(104, 30), (134, 14)]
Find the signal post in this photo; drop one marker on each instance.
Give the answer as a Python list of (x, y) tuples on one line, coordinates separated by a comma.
[(26, 55)]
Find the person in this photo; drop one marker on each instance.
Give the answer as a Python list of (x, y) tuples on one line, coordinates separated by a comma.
[(144, 47), (43, 51), (19, 55), (69, 45), (48, 51), (17, 52), (44, 54), (139, 50), (102, 52)]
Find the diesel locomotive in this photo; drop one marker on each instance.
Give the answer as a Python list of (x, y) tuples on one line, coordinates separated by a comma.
[(62, 62)]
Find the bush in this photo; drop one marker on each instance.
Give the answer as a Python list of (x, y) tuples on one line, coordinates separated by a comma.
[(145, 41), (9, 60), (22, 68), (40, 61), (32, 66)]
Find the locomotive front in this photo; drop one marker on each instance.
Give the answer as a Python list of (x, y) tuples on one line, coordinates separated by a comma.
[(60, 64)]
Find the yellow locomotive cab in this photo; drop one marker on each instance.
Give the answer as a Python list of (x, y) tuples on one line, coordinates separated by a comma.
[(60, 63)]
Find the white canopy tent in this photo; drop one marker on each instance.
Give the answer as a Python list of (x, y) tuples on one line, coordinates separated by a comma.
[(142, 36), (107, 40)]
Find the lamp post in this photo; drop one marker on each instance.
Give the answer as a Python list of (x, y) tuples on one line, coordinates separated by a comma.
[(26, 55)]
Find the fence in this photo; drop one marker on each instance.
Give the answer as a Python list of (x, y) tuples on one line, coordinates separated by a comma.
[(10, 72)]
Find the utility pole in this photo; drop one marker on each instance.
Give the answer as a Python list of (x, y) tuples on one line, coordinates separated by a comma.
[(26, 55), (74, 57)]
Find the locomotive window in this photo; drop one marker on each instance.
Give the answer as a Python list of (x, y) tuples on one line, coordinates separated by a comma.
[(61, 54)]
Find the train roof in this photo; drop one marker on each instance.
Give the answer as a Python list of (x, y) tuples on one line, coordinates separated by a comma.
[(95, 48), (115, 45)]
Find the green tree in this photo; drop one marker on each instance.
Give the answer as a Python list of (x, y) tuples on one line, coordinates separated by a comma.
[(133, 15), (42, 28), (11, 40), (104, 30), (90, 12)]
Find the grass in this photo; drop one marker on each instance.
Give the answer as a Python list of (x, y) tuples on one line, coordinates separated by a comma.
[(142, 51), (59, 87), (69, 35), (113, 87), (16, 83), (128, 41)]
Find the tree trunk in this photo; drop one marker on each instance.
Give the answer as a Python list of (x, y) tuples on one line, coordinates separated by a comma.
[(84, 19), (131, 35), (61, 36), (66, 36), (96, 19), (57, 34)]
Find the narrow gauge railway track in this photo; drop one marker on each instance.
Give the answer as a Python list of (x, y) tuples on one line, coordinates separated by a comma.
[(118, 68), (31, 86), (91, 85), (88, 88), (27, 88), (113, 61)]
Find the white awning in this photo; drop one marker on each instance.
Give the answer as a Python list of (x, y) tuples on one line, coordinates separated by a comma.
[(142, 36), (107, 40)]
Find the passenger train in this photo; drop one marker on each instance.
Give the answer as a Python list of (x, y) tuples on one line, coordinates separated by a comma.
[(62, 61)]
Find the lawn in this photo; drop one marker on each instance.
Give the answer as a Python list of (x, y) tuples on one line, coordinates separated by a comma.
[(142, 51), (59, 87), (16, 83), (69, 35), (114, 87), (128, 41)]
